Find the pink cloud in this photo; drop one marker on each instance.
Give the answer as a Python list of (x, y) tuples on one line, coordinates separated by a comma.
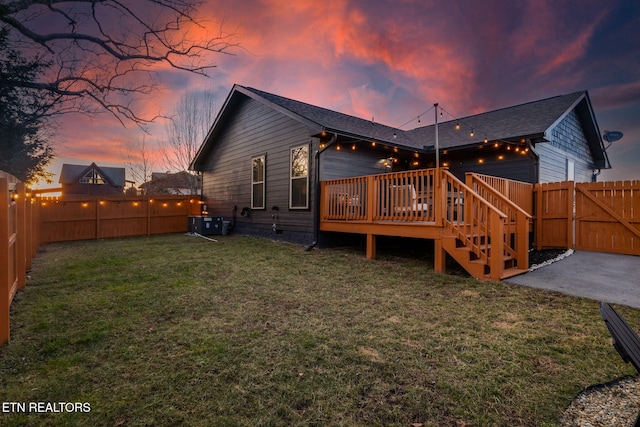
[(390, 61)]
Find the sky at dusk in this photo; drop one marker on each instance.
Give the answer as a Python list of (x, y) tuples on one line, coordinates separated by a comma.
[(392, 60)]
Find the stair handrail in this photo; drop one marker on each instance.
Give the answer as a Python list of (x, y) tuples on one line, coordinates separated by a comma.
[(518, 192), (517, 224), (481, 222)]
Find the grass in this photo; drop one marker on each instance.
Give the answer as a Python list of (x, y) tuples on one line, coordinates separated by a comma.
[(175, 330)]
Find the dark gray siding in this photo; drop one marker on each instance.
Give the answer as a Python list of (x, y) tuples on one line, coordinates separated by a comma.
[(516, 167), (567, 143), (346, 163), (254, 129)]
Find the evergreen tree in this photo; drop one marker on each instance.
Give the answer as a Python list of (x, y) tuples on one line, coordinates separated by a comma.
[(24, 113)]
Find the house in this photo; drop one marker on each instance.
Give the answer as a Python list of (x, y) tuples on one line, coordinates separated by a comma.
[(179, 183), (92, 180), (265, 154)]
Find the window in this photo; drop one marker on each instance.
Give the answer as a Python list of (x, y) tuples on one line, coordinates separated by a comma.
[(299, 185), (92, 177), (257, 182)]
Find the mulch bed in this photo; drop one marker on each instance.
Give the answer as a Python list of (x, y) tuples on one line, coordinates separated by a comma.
[(539, 257)]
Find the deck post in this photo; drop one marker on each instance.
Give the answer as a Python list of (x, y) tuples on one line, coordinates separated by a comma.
[(371, 246), (439, 197), (372, 198), (439, 257), (522, 239), (496, 263)]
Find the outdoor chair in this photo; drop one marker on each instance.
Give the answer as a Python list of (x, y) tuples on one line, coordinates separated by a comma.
[(406, 201)]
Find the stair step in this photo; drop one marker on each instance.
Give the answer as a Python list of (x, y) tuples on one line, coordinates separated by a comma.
[(477, 267), (510, 272)]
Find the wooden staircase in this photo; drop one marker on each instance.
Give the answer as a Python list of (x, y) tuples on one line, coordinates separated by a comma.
[(487, 234), (476, 265)]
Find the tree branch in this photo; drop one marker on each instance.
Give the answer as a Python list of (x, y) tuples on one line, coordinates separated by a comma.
[(99, 47)]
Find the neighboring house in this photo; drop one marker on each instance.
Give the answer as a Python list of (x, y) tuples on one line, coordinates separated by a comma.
[(180, 183), (260, 158), (92, 180)]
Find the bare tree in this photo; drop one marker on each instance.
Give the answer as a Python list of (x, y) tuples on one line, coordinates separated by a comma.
[(189, 124), (139, 160), (102, 53)]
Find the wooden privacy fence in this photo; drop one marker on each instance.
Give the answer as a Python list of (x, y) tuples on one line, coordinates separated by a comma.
[(26, 221), (18, 243), (80, 218), (593, 216)]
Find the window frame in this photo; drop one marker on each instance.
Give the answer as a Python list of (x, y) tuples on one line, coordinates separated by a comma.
[(305, 177), (93, 177), (263, 182)]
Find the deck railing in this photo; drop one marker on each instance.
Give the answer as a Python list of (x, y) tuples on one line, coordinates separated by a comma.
[(403, 196)]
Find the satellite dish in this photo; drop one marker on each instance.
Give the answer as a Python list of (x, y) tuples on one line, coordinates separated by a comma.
[(612, 135)]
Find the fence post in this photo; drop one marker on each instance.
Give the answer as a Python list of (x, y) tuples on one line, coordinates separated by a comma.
[(537, 234), (571, 195), (5, 303), (149, 200), (21, 236)]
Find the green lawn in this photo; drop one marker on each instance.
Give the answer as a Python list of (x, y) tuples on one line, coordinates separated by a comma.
[(177, 330)]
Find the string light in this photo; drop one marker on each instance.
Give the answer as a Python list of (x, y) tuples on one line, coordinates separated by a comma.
[(416, 117), (471, 133)]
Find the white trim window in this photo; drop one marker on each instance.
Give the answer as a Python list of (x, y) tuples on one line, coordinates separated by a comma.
[(258, 182), (299, 178), (93, 177)]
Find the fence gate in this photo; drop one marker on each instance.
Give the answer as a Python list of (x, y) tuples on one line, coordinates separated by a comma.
[(591, 216), (608, 217), (554, 215)]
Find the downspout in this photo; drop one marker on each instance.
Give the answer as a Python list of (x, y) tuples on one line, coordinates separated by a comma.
[(537, 157), (316, 207)]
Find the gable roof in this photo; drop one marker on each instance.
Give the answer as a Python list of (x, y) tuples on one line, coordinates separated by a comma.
[(70, 174), (532, 120), (333, 121), (182, 179)]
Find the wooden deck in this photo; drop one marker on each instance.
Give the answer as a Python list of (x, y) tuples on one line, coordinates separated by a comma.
[(482, 229)]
